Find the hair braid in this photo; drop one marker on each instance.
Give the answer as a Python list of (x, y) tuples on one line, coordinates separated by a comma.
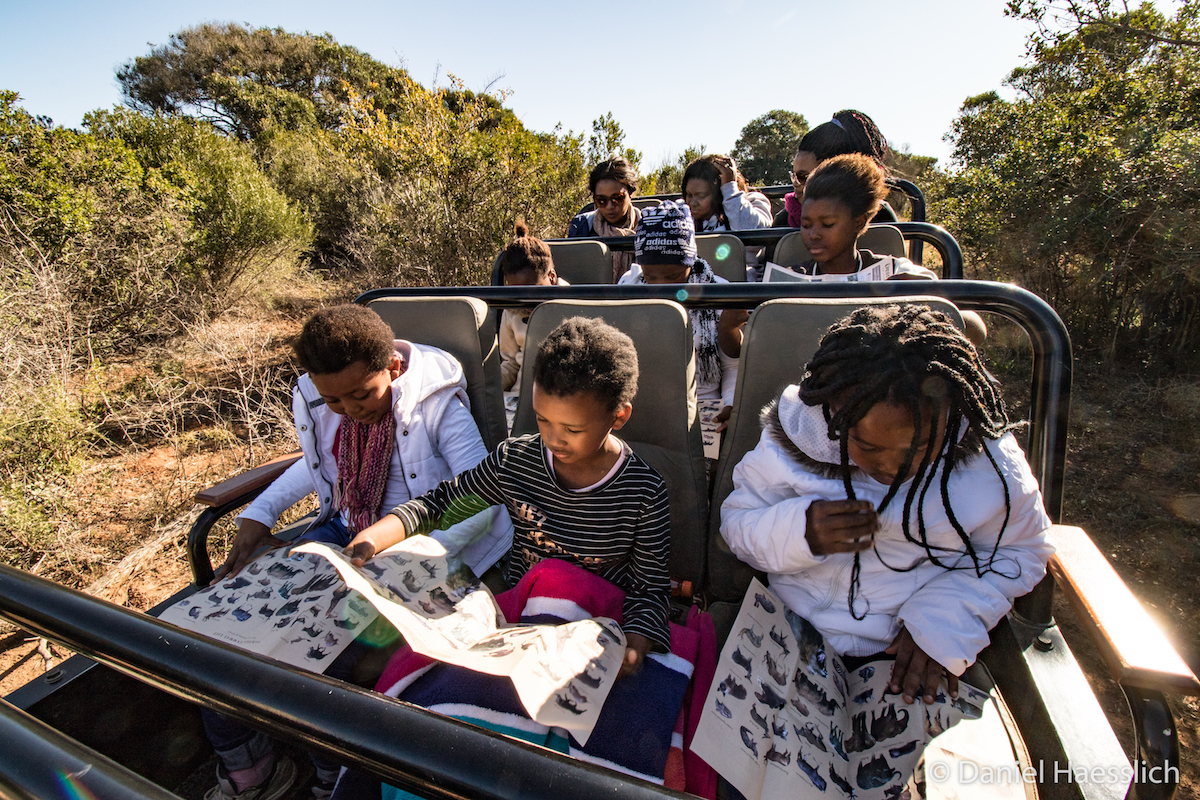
[(913, 357)]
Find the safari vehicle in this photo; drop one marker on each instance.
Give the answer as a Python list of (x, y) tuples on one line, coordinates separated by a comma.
[(121, 718)]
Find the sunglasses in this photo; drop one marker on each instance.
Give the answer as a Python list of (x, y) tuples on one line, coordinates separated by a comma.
[(617, 199)]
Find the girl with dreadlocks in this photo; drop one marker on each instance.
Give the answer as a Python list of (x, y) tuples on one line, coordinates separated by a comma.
[(888, 500)]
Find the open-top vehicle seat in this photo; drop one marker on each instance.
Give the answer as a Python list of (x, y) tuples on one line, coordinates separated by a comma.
[(583, 261), (882, 240), (767, 367), (725, 253), (665, 427), (150, 724), (463, 328)]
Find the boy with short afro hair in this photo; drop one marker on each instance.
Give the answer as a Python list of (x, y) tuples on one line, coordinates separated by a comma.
[(380, 420), (574, 490)]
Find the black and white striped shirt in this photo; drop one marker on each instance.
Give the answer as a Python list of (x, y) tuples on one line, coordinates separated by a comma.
[(620, 529)]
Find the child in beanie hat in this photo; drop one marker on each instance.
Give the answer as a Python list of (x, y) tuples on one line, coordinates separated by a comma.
[(665, 246), (666, 235)]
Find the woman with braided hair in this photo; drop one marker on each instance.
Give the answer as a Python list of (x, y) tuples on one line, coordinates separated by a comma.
[(888, 500)]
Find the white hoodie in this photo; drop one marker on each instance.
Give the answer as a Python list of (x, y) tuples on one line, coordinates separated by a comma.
[(436, 439), (948, 612)]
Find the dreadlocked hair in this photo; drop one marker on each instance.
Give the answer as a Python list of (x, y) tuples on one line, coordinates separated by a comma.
[(915, 358)]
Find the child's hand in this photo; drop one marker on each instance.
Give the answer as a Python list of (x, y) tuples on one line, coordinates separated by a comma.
[(915, 670), (636, 647), (370, 540), (841, 526), (359, 551), (722, 419), (251, 535)]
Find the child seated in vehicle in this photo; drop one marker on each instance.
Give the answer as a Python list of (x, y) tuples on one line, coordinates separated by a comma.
[(379, 421), (665, 248), (574, 490), (888, 501), (841, 197), (525, 262), (722, 200)]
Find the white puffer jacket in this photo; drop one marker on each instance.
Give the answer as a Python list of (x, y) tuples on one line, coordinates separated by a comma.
[(436, 437), (948, 612)]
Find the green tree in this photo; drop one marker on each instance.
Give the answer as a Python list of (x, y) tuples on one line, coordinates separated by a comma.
[(608, 140), (445, 187), (667, 178), (247, 80), (765, 147), (241, 226), (1086, 188)]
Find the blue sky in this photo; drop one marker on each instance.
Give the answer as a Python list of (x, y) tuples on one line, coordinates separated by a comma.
[(673, 75)]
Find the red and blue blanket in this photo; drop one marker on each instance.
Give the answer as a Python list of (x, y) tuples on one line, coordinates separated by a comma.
[(647, 720)]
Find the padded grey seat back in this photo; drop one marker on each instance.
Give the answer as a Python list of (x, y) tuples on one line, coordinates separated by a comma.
[(790, 251), (725, 253), (665, 428), (462, 327), (781, 337), (882, 240), (583, 261)]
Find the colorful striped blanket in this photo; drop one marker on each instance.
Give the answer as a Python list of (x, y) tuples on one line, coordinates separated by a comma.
[(647, 720)]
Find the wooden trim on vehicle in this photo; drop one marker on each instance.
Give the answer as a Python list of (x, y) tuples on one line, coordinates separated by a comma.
[(228, 490), (1131, 643)]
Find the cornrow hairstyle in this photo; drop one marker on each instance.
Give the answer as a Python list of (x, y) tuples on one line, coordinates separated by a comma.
[(525, 253), (588, 355), (336, 337), (705, 169), (854, 179), (849, 131), (615, 169), (915, 358)]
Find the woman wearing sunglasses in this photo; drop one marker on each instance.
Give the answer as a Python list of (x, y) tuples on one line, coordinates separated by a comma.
[(848, 132), (612, 184)]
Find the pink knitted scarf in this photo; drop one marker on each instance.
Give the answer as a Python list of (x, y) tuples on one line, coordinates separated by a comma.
[(364, 457), (793, 204)]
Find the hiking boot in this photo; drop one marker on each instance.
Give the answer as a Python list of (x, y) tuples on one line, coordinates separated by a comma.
[(280, 783)]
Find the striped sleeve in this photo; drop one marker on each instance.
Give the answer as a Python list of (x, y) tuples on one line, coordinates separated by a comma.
[(456, 499), (648, 592)]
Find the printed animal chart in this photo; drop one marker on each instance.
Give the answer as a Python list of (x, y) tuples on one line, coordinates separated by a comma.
[(290, 607), (708, 411), (562, 673), (303, 606), (879, 271), (787, 710)]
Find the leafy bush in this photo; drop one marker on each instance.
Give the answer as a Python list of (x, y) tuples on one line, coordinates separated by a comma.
[(1086, 188)]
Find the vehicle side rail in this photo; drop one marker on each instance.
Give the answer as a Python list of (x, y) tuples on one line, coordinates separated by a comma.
[(1130, 642), (1139, 657), (222, 498), (37, 761), (945, 244), (409, 747)]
